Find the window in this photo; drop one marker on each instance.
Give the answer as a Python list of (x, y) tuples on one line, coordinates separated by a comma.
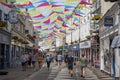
[(0, 14)]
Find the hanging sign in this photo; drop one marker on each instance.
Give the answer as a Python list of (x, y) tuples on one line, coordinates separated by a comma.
[(108, 21)]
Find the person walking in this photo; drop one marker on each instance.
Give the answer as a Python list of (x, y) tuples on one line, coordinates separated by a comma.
[(70, 63), (59, 59), (40, 59), (83, 65), (34, 60), (23, 61), (48, 61)]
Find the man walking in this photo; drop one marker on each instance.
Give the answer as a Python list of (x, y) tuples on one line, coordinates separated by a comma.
[(70, 63), (48, 61)]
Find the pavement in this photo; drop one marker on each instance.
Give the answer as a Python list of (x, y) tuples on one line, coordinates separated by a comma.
[(54, 73), (16, 74), (102, 75)]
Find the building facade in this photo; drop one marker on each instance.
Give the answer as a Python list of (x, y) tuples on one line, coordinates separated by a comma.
[(5, 37), (109, 56)]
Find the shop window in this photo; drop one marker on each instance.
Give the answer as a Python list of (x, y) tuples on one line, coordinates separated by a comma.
[(0, 14), (5, 17)]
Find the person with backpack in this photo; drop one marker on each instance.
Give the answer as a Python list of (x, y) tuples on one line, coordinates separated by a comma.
[(70, 63), (48, 61)]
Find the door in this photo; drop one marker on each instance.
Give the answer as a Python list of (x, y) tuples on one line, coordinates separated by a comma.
[(7, 51), (2, 56)]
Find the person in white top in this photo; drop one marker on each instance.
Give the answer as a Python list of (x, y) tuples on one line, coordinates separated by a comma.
[(34, 60), (23, 61), (59, 59)]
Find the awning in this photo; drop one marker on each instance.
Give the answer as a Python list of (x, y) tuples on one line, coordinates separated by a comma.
[(116, 42)]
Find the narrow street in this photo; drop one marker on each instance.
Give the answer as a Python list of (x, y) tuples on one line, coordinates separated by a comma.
[(54, 73), (83, 35)]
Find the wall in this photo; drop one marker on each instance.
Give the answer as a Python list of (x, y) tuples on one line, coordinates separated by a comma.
[(105, 6)]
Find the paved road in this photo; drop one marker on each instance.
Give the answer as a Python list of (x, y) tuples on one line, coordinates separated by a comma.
[(44, 73)]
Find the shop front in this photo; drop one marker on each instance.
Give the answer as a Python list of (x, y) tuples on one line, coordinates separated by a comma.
[(4, 49), (85, 49), (108, 60), (75, 48)]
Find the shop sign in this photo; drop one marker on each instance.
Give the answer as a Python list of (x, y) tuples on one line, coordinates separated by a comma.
[(85, 44), (108, 21), (74, 47)]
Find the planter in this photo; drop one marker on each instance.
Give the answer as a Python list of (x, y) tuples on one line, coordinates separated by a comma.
[(20, 40), (3, 24), (96, 17), (88, 37)]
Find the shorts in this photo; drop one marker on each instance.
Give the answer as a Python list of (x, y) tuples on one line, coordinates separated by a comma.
[(23, 63), (70, 67), (83, 67), (33, 62)]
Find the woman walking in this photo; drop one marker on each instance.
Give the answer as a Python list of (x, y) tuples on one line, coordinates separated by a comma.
[(40, 59)]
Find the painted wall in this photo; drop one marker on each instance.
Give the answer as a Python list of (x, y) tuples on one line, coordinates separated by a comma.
[(105, 6)]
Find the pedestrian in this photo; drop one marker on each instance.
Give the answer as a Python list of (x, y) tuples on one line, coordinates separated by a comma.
[(83, 65), (40, 59), (70, 63), (23, 60), (48, 61), (34, 60), (29, 60), (65, 59), (59, 59)]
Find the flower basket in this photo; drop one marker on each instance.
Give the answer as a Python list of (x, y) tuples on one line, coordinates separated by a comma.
[(3, 24), (88, 37), (93, 1), (96, 17), (71, 42), (25, 42), (20, 40), (15, 37), (30, 37)]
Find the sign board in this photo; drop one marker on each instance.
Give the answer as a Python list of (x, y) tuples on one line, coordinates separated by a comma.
[(85, 44), (108, 21)]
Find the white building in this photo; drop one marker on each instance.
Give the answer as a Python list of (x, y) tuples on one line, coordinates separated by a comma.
[(109, 56)]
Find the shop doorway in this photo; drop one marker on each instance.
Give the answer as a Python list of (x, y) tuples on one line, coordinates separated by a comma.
[(2, 56)]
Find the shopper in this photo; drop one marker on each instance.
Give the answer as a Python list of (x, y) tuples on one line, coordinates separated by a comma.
[(23, 61), (83, 65), (70, 63), (59, 59), (48, 61), (40, 59), (34, 60)]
